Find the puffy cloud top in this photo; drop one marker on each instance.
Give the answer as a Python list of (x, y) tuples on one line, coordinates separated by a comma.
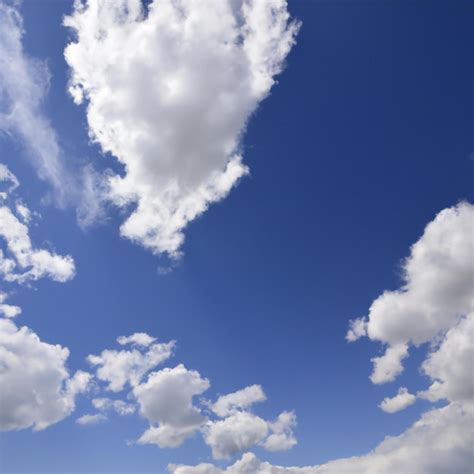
[(129, 366), (166, 400), (24, 262), (230, 403), (437, 292), (36, 390), (169, 92)]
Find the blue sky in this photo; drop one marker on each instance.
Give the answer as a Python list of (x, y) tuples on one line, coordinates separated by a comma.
[(365, 137)]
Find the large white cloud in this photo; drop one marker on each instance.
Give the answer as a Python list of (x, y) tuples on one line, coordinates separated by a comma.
[(169, 92), (439, 275), (37, 389)]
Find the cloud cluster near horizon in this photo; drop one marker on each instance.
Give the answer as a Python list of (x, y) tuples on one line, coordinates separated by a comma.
[(169, 90)]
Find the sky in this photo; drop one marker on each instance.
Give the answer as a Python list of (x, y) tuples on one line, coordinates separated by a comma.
[(236, 237)]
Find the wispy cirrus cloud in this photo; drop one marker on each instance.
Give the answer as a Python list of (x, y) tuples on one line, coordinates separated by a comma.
[(24, 82), (24, 85)]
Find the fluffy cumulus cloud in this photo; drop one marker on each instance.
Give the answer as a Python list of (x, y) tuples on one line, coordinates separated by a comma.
[(169, 89), (128, 366), (237, 432), (8, 310), (23, 84), (388, 366), (440, 442), (451, 365), (20, 261), (170, 401), (37, 389), (28, 263), (435, 306), (282, 436), (229, 404), (166, 401), (239, 429), (438, 278), (399, 402)]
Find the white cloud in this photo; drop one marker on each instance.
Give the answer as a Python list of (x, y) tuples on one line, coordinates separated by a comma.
[(91, 419), (282, 437), (23, 261), (357, 329), (389, 366), (129, 366), (438, 275), (23, 212), (169, 94), (24, 82), (119, 406), (438, 278), (435, 306), (228, 404), (8, 310), (400, 401), (166, 401), (37, 390), (451, 365), (241, 430), (139, 338), (237, 432), (6, 176), (29, 263), (440, 442)]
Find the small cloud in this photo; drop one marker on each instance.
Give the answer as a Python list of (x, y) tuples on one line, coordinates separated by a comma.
[(91, 419)]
